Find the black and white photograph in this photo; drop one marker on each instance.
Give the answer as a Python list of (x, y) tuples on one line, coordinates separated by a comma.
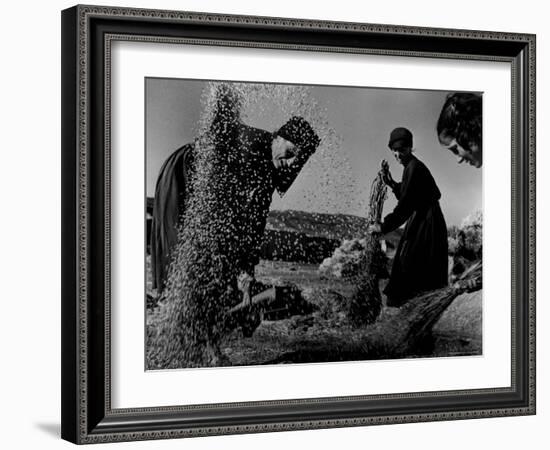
[(291, 223), (275, 225)]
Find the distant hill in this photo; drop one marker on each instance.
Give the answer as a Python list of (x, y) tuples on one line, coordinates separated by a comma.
[(304, 236), (330, 226), (319, 225)]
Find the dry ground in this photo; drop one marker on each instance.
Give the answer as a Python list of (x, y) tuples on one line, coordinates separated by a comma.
[(326, 335)]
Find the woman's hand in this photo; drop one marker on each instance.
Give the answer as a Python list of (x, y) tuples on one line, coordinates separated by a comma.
[(386, 174), (244, 282), (374, 228)]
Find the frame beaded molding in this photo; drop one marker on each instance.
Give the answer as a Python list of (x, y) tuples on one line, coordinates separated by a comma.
[(87, 12), (82, 33), (109, 39), (198, 17)]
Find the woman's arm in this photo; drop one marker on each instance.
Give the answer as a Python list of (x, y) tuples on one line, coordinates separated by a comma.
[(388, 179), (407, 192), (396, 189)]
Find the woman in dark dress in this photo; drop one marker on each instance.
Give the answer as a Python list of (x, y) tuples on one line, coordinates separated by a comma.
[(420, 262), (264, 161)]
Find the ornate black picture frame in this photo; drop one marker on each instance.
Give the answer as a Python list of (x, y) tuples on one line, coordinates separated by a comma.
[(87, 35)]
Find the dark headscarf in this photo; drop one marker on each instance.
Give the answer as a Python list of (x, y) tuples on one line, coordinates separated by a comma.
[(298, 131), (401, 134)]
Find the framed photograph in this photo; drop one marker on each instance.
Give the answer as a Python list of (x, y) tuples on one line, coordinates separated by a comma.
[(282, 224)]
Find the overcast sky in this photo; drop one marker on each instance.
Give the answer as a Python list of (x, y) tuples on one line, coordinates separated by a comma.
[(354, 124)]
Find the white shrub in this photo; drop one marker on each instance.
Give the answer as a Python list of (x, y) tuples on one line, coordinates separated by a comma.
[(344, 261)]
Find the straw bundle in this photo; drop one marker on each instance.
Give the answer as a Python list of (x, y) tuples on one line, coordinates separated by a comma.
[(366, 302)]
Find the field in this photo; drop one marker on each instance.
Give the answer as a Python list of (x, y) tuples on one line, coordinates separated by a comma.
[(325, 335), (325, 332)]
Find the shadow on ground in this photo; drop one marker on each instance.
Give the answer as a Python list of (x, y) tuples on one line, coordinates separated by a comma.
[(53, 429)]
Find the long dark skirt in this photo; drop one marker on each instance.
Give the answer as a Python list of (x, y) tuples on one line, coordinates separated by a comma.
[(420, 262)]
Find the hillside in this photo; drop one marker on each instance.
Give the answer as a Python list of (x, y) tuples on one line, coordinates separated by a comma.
[(329, 226), (317, 233)]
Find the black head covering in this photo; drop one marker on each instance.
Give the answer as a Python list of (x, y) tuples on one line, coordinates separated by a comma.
[(298, 131), (401, 134)]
